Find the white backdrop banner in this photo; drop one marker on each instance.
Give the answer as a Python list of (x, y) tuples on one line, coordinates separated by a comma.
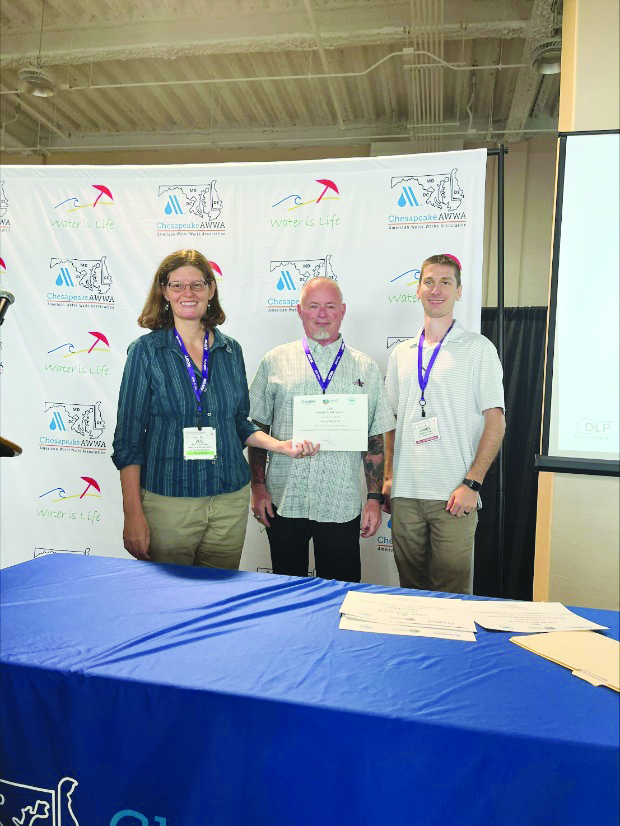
[(80, 246)]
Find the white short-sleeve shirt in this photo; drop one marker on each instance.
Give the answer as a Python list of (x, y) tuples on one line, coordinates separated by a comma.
[(465, 380)]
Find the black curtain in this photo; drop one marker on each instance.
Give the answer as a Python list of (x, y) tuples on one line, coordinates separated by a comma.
[(524, 353)]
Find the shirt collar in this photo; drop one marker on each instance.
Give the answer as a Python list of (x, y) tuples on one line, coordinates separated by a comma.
[(317, 349), (455, 334), (168, 340)]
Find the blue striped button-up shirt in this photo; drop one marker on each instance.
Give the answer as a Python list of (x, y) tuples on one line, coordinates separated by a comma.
[(156, 402)]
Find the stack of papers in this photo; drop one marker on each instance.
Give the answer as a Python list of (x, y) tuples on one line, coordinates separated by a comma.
[(410, 616), (454, 619), (529, 617)]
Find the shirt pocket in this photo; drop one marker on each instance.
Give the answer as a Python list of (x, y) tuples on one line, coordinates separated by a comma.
[(169, 397)]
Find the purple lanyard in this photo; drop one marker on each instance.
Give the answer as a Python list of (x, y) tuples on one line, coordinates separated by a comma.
[(423, 377), (323, 382), (192, 376)]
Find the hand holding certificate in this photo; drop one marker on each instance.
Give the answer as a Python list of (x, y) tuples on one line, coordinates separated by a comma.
[(336, 422)]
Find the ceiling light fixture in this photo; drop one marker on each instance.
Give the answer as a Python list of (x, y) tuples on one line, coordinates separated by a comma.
[(34, 79), (547, 56)]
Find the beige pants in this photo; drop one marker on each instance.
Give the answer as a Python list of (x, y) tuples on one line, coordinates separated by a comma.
[(433, 550), (207, 531)]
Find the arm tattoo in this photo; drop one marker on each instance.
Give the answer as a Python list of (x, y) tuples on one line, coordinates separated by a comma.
[(257, 459), (373, 463)]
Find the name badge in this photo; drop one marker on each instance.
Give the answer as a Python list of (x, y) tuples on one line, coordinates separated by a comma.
[(199, 444), (425, 430)]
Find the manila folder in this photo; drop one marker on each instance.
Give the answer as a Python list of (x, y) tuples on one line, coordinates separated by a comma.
[(588, 654)]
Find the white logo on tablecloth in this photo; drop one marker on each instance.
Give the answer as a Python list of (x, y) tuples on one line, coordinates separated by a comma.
[(35, 806)]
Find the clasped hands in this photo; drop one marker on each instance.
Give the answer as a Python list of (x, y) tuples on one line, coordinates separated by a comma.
[(302, 450)]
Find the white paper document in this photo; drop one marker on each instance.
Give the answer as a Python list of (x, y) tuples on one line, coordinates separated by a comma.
[(395, 609), (337, 422), (529, 617), (348, 623)]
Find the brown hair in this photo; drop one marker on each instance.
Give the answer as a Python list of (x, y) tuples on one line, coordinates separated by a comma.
[(156, 315), (447, 260)]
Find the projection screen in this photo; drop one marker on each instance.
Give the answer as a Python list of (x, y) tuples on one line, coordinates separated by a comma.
[(580, 420)]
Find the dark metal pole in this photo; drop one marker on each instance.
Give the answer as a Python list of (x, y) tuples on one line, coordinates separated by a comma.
[(501, 501)]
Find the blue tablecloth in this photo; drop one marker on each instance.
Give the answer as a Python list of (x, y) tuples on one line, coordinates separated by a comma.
[(135, 693)]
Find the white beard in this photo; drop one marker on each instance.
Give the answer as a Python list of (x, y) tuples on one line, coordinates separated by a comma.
[(320, 334)]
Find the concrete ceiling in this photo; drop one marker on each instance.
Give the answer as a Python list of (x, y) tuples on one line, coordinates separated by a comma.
[(138, 74)]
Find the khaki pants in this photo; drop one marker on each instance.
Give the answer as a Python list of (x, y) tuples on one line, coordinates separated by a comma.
[(206, 531), (433, 550)]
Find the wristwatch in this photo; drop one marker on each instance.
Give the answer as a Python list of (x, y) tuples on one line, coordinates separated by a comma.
[(471, 483), (378, 496)]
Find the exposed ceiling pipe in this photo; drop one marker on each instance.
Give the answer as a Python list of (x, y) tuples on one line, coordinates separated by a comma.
[(32, 111), (331, 86), (8, 123), (210, 144), (409, 52), (470, 103)]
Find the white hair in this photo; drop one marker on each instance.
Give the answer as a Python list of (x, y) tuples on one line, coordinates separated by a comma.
[(323, 281)]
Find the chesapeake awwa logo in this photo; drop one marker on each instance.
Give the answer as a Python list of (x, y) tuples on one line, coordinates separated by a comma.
[(5, 221), (84, 354), (190, 209), (384, 538), (3, 270), (321, 401), (392, 341), (71, 500), (288, 277), (82, 208), (80, 282), (46, 551), (75, 428), (310, 209), (29, 805), (424, 201)]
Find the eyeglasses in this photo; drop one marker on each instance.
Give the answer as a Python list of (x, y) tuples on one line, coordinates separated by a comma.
[(195, 286)]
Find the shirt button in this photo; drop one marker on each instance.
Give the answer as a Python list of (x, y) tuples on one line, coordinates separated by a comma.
[(208, 414)]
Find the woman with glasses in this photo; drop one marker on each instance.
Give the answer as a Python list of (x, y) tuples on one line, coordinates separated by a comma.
[(183, 423)]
